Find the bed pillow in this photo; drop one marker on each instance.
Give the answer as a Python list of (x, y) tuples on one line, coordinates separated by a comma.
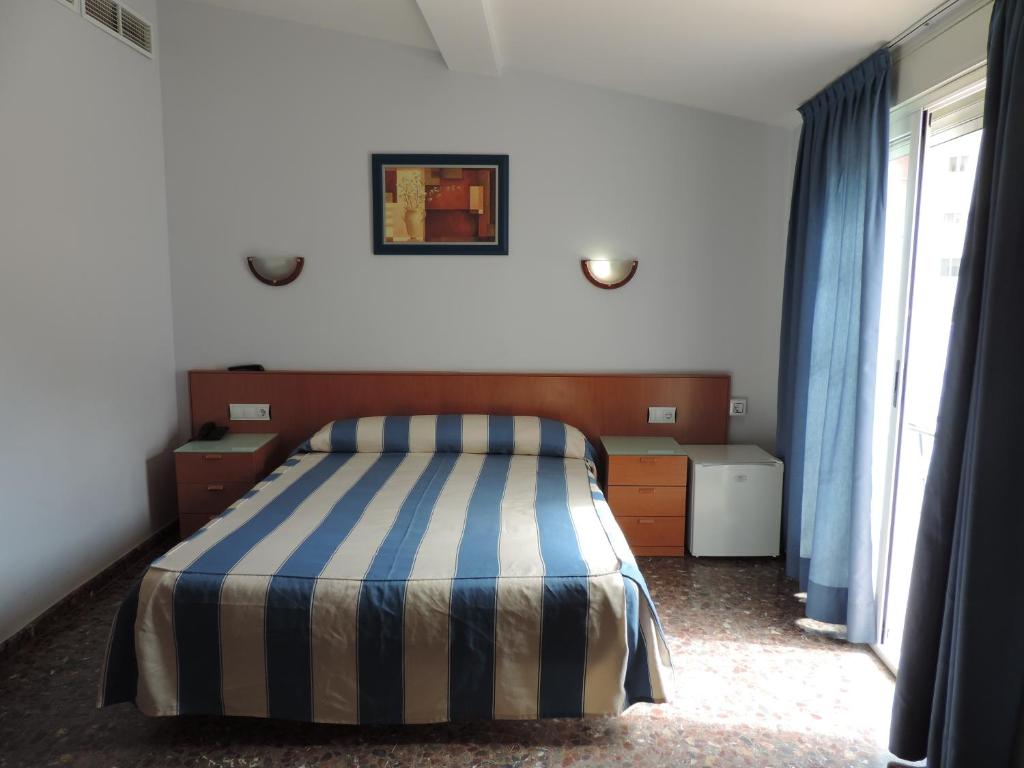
[(528, 435)]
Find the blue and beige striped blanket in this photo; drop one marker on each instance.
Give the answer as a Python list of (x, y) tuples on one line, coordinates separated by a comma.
[(400, 570)]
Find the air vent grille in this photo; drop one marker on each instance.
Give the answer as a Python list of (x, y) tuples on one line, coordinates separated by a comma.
[(136, 30), (104, 13), (121, 22)]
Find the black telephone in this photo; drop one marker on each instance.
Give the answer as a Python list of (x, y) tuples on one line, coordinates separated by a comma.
[(210, 431)]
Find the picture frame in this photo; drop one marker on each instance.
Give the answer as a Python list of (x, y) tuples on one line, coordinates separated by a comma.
[(439, 204)]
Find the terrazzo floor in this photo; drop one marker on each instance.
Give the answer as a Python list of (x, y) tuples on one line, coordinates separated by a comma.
[(751, 690)]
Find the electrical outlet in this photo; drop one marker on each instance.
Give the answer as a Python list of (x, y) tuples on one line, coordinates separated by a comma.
[(249, 411), (661, 414), (738, 406)]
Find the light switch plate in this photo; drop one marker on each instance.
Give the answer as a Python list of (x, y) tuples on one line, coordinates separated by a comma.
[(661, 414), (738, 406), (249, 411)]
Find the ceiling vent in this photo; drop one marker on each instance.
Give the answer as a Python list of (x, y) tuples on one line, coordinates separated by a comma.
[(105, 13), (121, 22), (69, 4), (136, 30)]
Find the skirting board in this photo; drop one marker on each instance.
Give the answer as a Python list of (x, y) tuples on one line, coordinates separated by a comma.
[(145, 551)]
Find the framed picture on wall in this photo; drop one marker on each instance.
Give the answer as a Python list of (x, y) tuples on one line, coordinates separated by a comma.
[(440, 204)]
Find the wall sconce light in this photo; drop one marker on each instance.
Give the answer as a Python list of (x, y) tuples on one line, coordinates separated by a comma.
[(275, 270), (608, 273)]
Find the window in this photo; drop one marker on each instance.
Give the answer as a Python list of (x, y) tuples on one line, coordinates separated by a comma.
[(932, 162), (950, 267)]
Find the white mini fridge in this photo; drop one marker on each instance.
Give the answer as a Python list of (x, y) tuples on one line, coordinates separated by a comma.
[(735, 501)]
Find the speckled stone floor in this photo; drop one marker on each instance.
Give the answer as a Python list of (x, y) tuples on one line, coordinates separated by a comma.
[(752, 690)]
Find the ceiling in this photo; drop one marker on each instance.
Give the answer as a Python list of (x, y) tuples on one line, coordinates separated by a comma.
[(757, 59)]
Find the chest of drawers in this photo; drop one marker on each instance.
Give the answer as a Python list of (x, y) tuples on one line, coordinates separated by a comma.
[(213, 474), (646, 490)]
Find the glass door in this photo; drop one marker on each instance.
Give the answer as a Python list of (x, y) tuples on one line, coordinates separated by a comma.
[(948, 156)]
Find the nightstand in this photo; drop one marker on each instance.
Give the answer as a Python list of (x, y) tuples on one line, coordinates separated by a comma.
[(214, 474), (646, 489)]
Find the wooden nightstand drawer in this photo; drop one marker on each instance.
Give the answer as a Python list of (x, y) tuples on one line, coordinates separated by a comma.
[(646, 490), (647, 470), (213, 475), (218, 467), (208, 498), (653, 531), (189, 524), (647, 500)]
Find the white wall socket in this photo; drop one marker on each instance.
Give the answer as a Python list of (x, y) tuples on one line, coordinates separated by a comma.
[(738, 406), (661, 414), (249, 411)]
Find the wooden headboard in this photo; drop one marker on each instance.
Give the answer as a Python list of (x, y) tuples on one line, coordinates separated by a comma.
[(597, 403)]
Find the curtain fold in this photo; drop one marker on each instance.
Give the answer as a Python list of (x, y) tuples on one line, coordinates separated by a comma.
[(961, 678), (829, 342)]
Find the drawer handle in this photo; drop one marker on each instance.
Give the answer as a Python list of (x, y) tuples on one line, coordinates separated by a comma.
[(212, 456), (645, 490), (648, 460), (215, 487), (645, 521)]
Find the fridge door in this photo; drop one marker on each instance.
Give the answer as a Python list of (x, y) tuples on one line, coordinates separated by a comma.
[(736, 510)]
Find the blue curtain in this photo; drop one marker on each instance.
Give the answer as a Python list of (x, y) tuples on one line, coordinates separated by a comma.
[(960, 685), (828, 345)]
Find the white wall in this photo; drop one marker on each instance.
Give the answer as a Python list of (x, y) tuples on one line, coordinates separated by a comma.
[(269, 127), (86, 355)]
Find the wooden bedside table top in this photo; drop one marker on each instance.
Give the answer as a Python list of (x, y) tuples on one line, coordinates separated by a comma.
[(233, 442), (616, 445)]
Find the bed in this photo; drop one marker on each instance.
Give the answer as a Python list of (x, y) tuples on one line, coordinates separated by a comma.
[(400, 570)]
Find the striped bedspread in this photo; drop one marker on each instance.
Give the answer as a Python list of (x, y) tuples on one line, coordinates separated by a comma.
[(400, 570)]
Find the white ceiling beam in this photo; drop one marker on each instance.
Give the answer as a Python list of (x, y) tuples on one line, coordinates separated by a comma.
[(464, 33)]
